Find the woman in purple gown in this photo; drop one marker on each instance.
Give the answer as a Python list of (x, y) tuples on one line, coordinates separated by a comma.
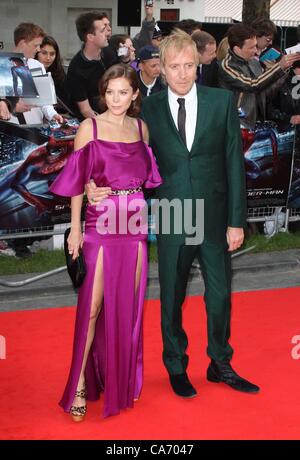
[(110, 149)]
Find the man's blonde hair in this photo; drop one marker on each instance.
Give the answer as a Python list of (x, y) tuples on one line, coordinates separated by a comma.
[(179, 40)]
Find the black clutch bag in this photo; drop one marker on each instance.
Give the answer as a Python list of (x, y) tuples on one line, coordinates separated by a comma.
[(76, 268)]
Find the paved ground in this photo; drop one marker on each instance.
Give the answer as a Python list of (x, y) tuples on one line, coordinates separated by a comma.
[(250, 272)]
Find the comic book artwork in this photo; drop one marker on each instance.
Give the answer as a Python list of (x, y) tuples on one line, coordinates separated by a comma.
[(16, 78), (29, 163), (66, 131), (268, 153), (31, 158)]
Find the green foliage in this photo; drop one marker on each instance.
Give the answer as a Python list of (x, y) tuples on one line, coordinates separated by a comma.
[(279, 242), (42, 261)]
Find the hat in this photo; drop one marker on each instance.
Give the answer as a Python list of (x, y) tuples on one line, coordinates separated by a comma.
[(157, 32), (148, 52)]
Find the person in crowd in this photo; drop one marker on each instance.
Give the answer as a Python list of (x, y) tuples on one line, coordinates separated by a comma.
[(150, 81), (123, 48), (241, 73), (265, 30), (145, 35), (49, 56), (87, 66), (157, 36), (188, 25), (28, 38), (207, 71), (196, 138), (107, 24), (285, 107), (108, 54), (112, 149)]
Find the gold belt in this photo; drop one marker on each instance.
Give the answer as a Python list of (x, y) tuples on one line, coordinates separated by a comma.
[(128, 191)]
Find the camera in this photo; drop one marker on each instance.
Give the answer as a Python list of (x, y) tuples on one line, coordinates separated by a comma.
[(149, 3), (122, 51)]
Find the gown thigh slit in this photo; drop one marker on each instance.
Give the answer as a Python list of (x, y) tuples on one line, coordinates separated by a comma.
[(98, 288)]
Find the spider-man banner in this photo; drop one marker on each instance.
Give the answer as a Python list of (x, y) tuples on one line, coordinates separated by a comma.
[(31, 158), (29, 162), (268, 153)]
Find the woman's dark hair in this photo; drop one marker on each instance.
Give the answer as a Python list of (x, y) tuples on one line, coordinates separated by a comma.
[(56, 68), (119, 71), (264, 27), (115, 41)]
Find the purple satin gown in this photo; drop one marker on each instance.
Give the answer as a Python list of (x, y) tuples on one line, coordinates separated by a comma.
[(115, 361)]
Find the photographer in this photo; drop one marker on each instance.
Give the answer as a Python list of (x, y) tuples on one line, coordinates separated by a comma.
[(123, 48), (144, 37)]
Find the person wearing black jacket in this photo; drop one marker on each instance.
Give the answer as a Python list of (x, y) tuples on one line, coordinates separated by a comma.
[(285, 107), (242, 74)]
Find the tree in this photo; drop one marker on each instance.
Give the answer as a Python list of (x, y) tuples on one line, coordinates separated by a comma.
[(253, 9)]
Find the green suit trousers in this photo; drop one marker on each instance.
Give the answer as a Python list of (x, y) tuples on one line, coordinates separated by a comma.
[(174, 267)]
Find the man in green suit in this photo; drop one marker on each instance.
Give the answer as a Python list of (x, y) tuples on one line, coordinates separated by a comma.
[(195, 135), (199, 154)]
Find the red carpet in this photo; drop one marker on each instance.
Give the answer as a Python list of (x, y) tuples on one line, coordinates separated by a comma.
[(263, 324)]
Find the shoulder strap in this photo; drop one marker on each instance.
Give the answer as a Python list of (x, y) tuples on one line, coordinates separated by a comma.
[(94, 128), (140, 129)]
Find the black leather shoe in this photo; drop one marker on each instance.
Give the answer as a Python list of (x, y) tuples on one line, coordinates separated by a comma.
[(223, 372), (182, 386)]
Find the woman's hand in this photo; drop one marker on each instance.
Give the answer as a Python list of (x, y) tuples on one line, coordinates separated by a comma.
[(75, 241), (96, 194)]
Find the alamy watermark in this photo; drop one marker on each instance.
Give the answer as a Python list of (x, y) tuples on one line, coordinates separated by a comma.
[(2, 347), (295, 352), (170, 217), (296, 89)]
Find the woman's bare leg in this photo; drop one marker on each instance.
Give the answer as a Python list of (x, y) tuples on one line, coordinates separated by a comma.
[(97, 298)]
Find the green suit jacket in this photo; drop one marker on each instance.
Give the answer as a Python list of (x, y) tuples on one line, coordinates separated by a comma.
[(214, 168)]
